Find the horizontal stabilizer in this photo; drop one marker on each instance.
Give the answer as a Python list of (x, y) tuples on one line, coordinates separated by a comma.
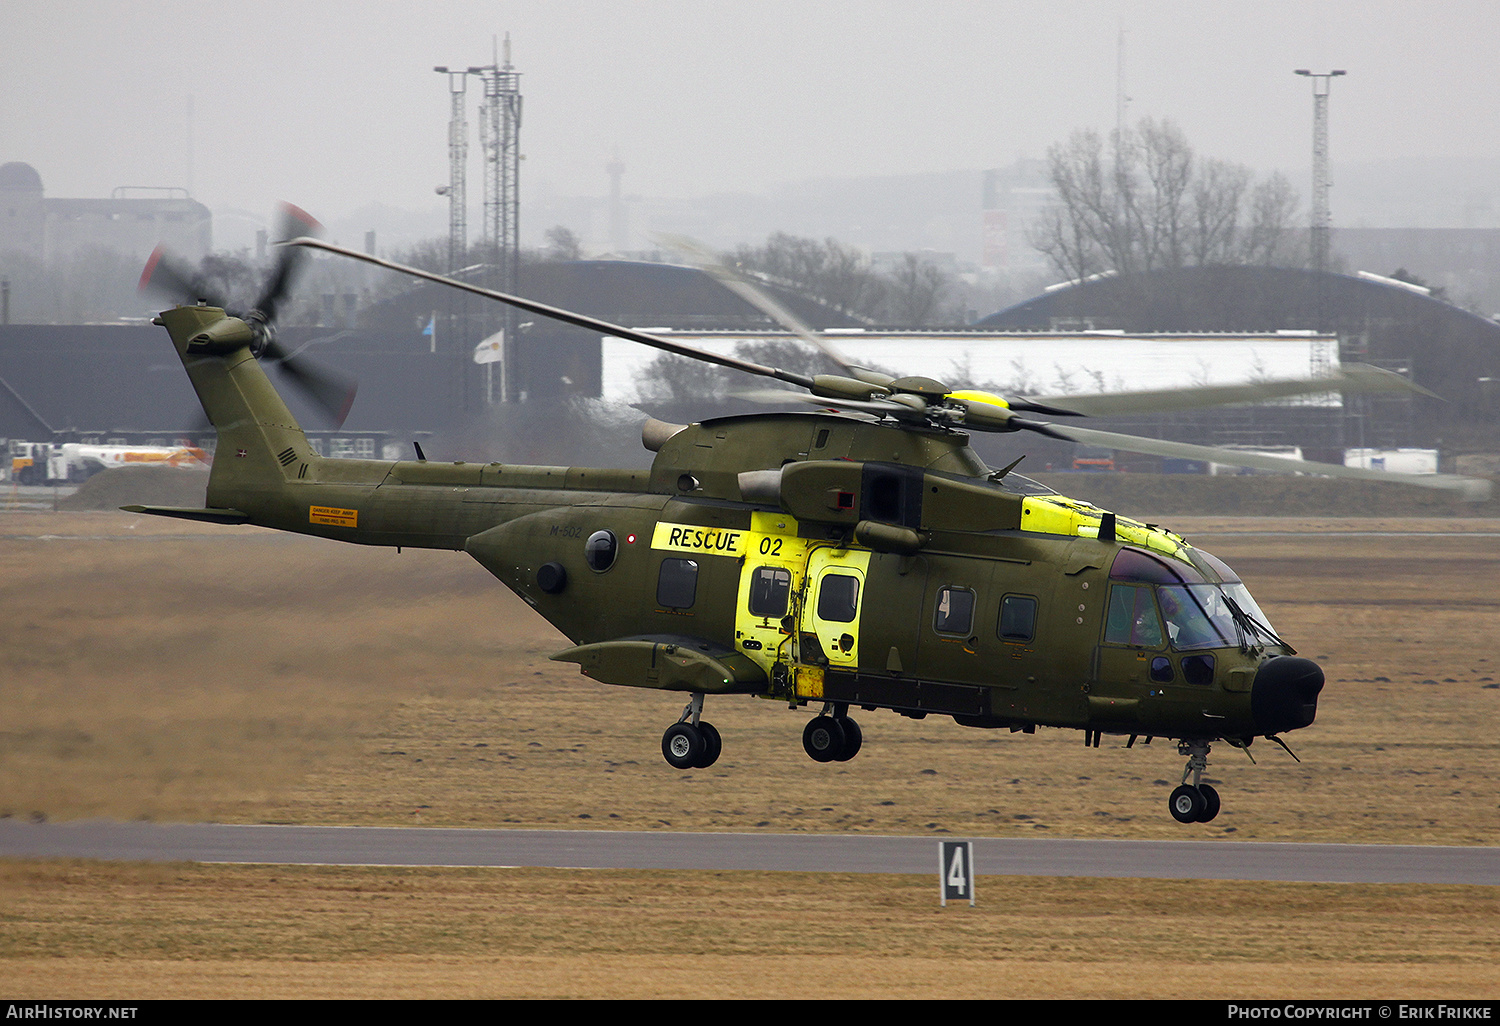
[(209, 516)]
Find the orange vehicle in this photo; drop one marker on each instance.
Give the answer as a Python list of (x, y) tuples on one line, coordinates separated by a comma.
[(1093, 458)]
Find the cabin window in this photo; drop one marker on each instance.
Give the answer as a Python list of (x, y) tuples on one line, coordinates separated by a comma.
[(955, 611), (599, 551), (677, 584), (770, 587), (838, 598), (1132, 618), (1017, 618)]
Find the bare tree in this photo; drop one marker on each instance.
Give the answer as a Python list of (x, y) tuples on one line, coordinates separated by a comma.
[(797, 357), (1079, 234), (671, 379), (1273, 205), (1218, 194), (1167, 162), (563, 244), (839, 276), (915, 291), (1067, 242), (1146, 202)]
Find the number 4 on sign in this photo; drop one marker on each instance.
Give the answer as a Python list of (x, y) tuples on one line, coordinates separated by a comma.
[(956, 870)]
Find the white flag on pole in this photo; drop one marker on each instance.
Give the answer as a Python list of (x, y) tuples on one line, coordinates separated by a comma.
[(491, 350)]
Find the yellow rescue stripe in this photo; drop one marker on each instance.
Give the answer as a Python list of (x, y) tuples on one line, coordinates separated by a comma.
[(706, 541)]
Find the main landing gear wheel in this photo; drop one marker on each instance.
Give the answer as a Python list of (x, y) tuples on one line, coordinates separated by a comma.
[(692, 742), (713, 744), (683, 746), (832, 738), (853, 739)]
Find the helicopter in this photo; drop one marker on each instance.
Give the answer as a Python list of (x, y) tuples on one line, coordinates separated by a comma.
[(856, 556)]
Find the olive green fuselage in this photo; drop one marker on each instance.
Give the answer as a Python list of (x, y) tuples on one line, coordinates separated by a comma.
[(805, 557)]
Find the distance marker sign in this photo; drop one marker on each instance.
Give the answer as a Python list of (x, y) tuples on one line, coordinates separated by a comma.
[(956, 870)]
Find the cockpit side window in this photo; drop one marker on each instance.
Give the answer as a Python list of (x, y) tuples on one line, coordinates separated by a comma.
[(1132, 618), (1197, 616)]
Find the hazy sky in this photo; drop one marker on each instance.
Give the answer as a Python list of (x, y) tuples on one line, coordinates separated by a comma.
[(334, 104)]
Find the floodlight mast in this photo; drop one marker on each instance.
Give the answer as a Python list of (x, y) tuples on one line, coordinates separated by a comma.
[(458, 156), (500, 135), (1321, 219)]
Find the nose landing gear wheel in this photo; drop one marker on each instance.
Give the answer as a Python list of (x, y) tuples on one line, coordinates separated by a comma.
[(1196, 802), (1191, 804), (832, 738), (1187, 804), (1210, 803)]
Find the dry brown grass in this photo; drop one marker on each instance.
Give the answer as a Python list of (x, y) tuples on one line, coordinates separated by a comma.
[(171, 671), (131, 931)]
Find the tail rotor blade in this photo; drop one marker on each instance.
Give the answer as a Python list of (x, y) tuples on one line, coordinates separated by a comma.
[(295, 222), (166, 277), (330, 391)]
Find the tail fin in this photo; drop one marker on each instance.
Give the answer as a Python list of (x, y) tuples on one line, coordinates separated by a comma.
[(261, 446)]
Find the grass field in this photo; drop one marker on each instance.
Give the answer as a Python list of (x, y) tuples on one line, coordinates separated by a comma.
[(171, 671), (133, 931)]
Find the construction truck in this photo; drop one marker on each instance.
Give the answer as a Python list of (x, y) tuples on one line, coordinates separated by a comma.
[(37, 463)]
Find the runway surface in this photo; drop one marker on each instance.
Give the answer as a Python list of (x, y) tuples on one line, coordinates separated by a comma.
[(826, 853)]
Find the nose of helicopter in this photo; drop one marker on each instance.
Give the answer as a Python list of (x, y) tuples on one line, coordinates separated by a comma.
[(1284, 695)]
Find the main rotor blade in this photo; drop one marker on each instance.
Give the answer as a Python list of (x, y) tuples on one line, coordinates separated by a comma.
[(884, 407), (1470, 489), (567, 316), (757, 297), (1352, 378), (767, 304)]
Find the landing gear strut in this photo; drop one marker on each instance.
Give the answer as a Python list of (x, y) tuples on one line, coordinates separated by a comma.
[(832, 736), (1196, 802), (692, 742)]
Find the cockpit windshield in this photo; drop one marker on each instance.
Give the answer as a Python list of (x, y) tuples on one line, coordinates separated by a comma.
[(1236, 590), (1197, 616), (1198, 611)]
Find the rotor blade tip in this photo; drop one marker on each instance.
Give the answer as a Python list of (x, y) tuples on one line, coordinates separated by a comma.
[(149, 270), (347, 406), (309, 223)]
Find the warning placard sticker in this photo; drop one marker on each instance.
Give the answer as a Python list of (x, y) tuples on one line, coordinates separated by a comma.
[(333, 516)]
